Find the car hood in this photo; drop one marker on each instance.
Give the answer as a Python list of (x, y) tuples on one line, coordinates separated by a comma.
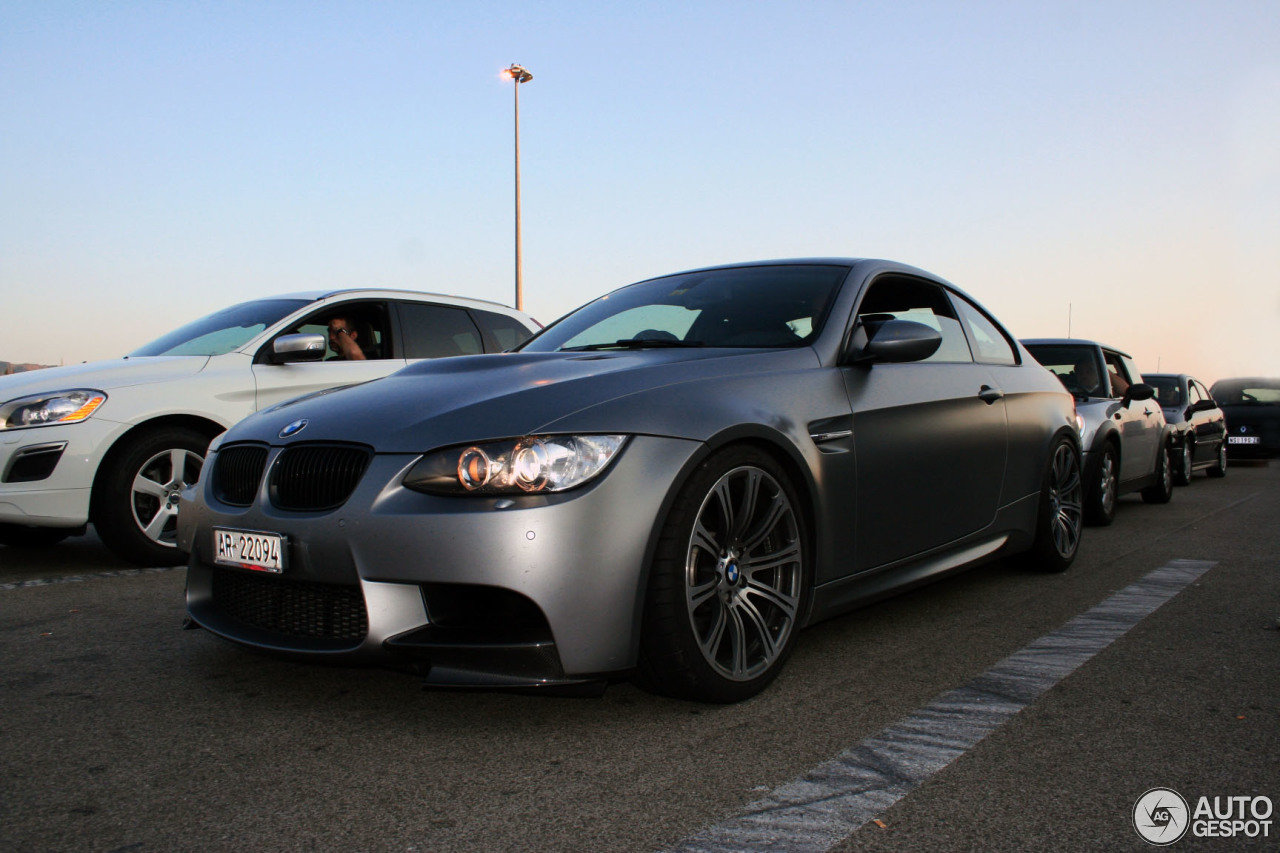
[(101, 375), (477, 398)]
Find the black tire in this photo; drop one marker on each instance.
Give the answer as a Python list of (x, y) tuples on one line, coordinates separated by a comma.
[(1061, 517), (729, 581), (1162, 490), (1186, 463), (22, 536), (134, 505), (1102, 490), (1219, 468)]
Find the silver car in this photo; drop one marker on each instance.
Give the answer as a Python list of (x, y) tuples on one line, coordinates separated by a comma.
[(667, 484), (1128, 445)]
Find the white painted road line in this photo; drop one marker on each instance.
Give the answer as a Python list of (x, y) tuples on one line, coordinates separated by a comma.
[(814, 813)]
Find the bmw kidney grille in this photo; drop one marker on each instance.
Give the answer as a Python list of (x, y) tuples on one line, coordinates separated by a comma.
[(317, 476), (304, 477)]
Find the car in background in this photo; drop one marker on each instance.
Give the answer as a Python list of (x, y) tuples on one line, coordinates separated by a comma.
[(668, 483), (1128, 445), (1252, 407), (1199, 426), (115, 442)]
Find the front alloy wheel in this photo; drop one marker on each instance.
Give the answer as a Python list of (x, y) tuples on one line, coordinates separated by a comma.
[(728, 583), (1061, 516), (1162, 490), (136, 498), (1188, 464), (1219, 468), (1100, 506)]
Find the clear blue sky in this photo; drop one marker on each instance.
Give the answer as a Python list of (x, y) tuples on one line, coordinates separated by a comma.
[(1118, 162)]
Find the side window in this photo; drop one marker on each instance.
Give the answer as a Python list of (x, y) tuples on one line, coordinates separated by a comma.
[(437, 331), (1193, 394), (501, 332), (903, 298), (1117, 373), (368, 320), (1204, 392), (991, 344)]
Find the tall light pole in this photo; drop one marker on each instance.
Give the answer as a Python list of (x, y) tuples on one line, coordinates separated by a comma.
[(519, 75)]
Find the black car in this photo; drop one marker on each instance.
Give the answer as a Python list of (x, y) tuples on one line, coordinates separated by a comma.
[(1200, 427), (1252, 407)]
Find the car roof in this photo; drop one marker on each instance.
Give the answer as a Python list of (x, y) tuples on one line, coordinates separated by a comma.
[(390, 292), (1080, 342)]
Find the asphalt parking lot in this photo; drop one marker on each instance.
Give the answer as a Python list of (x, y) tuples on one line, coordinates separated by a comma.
[(123, 732)]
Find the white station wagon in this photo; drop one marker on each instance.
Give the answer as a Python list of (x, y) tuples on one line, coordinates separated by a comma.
[(114, 443)]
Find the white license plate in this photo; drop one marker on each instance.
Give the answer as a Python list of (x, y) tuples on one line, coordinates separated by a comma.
[(262, 552), (1244, 439)]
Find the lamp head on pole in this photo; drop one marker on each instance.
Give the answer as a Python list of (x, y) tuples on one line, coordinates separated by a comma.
[(517, 73)]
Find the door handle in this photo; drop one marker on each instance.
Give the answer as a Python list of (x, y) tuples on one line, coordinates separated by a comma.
[(989, 395)]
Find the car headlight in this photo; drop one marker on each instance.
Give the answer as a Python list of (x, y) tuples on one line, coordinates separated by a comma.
[(59, 407), (520, 466)]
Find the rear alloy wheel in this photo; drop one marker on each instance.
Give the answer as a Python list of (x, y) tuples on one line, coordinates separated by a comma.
[(135, 501), (1163, 488), (1187, 463), (1219, 468), (1061, 516), (1101, 496), (728, 582)]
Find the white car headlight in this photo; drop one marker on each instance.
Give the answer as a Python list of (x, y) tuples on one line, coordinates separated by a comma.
[(521, 466), (58, 407)]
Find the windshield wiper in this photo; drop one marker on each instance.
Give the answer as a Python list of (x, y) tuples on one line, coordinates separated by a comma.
[(635, 343)]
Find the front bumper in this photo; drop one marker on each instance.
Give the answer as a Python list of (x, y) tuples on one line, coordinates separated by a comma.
[(502, 591), (46, 473)]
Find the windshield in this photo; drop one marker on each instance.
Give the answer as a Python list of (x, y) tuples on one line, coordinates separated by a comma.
[(222, 331), (1168, 389), (761, 306), (1250, 392)]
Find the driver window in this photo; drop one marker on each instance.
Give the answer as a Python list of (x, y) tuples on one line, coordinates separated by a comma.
[(1116, 373), (901, 298), (364, 322)]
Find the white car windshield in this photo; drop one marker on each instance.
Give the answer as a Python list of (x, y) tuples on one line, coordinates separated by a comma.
[(222, 331)]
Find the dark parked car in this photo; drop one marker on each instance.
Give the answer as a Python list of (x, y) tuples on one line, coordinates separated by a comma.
[(1200, 428), (667, 483), (1127, 444), (1252, 407)]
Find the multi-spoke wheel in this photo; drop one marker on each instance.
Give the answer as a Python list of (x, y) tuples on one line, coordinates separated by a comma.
[(1162, 490), (728, 583), (1186, 463), (1061, 515), (1102, 493), (135, 501), (1219, 468)]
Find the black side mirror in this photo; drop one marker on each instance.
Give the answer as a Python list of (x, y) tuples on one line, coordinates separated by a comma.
[(898, 341), (1138, 391), (293, 348)]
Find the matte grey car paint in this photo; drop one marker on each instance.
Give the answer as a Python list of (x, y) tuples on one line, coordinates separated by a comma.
[(904, 471)]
